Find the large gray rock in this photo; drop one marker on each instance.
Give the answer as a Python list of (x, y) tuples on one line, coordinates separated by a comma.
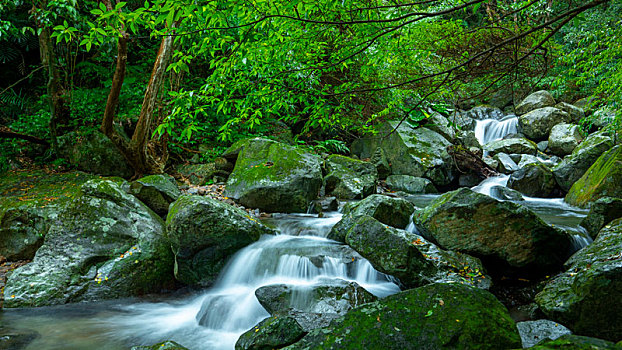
[(462, 120), (533, 180), (538, 99), (410, 184), (437, 122), (106, 245), (537, 124), (506, 164), (575, 113), (602, 212), (271, 333), (587, 298), (533, 332), (273, 176), (380, 161), (511, 146), (349, 178), (564, 138), (476, 224), (484, 112), (156, 191), (573, 166), (22, 229), (204, 233), (436, 316)]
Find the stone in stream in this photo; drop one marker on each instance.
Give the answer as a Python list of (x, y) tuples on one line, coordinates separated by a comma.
[(573, 166), (166, 345), (410, 258), (271, 333), (106, 245), (533, 332), (533, 180), (390, 211), (564, 138), (505, 194), (349, 178), (576, 342), (602, 179), (511, 146), (156, 191), (476, 224), (410, 184), (204, 233), (324, 204), (272, 176), (587, 298), (16, 339), (506, 164), (538, 99), (602, 212), (434, 316), (537, 124), (484, 112)]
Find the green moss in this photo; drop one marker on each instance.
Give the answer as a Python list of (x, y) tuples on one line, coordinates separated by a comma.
[(602, 179)]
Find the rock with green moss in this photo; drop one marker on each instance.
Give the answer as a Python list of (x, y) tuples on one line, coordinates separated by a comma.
[(410, 258), (482, 226), (587, 298), (573, 166), (564, 138), (538, 99), (602, 212), (410, 184), (349, 178), (22, 230), (436, 316), (602, 179), (390, 211), (156, 191), (575, 113), (576, 342), (204, 233), (533, 332), (537, 124), (380, 161), (511, 146), (105, 245), (437, 122), (272, 333), (94, 153), (484, 112), (533, 180), (198, 174), (273, 177), (505, 194), (167, 345)]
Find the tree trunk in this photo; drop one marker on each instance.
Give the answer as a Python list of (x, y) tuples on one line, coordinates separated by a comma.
[(467, 160)]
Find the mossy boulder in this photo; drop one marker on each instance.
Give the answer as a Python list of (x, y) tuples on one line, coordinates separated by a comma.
[(575, 113), (484, 112), (105, 245), (436, 316), (511, 146), (506, 164), (602, 212), (573, 166), (390, 211), (537, 124), (410, 258), (198, 174), (348, 178), (533, 180), (576, 342), (476, 224), (166, 345), (156, 191), (271, 333), (538, 99), (204, 233), (273, 176), (380, 161), (587, 298), (602, 179), (410, 184), (564, 138)]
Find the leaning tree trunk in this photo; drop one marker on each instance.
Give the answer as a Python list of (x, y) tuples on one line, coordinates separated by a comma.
[(467, 160)]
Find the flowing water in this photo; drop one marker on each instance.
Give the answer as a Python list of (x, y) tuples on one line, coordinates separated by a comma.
[(488, 130)]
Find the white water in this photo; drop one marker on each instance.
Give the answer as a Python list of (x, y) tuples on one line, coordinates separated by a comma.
[(488, 130)]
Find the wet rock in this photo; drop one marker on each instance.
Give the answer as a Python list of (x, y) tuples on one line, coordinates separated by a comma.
[(14, 339), (272, 176), (536, 100), (468, 180), (349, 178), (476, 224), (533, 332), (484, 112), (602, 179), (564, 138), (462, 120), (166, 345), (105, 245), (493, 163), (199, 174), (511, 146), (380, 161), (543, 146), (410, 184), (468, 139), (204, 233), (437, 122), (573, 166), (506, 164), (437, 315), (505, 194), (537, 124), (602, 212), (23, 228), (526, 159), (533, 180), (587, 298), (323, 205), (576, 342), (271, 333), (575, 113), (156, 191)]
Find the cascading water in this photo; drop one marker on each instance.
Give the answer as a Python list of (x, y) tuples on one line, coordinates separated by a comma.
[(488, 130)]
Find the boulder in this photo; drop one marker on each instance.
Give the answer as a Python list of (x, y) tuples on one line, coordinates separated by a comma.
[(390, 211), (166, 345), (410, 184), (526, 159), (602, 212), (484, 112), (533, 180), (602, 179), (573, 166), (410, 258), (105, 245), (94, 153), (324, 204), (537, 124), (273, 177), (587, 298), (503, 193), (435, 316), (533, 332), (204, 233), (198, 174), (506, 164), (349, 178), (476, 224), (564, 138), (543, 146), (271, 333), (576, 342), (538, 99), (437, 122), (380, 161), (575, 113), (469, 180), (602, 117), (468, 139), (462, 120), (511, 146), (156, 191)]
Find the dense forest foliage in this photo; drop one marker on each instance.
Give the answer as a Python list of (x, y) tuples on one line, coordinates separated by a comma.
[(166, 80)]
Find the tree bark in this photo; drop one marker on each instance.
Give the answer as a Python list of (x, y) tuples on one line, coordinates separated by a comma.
[(5, 132), (466, 159)]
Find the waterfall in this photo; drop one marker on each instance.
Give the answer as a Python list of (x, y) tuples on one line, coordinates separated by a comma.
[(488, 130)]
